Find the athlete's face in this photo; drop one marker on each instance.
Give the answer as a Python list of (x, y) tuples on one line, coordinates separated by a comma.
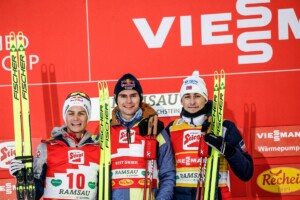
[(193, 102), (128, 102), (76, 120)]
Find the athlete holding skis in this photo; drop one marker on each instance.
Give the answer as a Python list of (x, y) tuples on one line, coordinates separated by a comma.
[(66, 166), (185, 134), (135, 159)]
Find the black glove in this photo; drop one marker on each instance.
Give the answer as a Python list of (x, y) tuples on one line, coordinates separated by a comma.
[(218, 143), (143, 126), (205, 125), (207, 109)]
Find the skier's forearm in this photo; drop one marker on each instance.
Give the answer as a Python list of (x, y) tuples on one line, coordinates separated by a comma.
[(242, 165)]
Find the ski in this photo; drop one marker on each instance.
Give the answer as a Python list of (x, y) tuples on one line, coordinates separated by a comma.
[(104, 133), (212, 173), (25, 181)]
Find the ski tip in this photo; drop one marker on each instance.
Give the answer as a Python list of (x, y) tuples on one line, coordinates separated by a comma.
[(216, 73), (105, 84), (20, 40), (222, 72), (20, 33), (12, 36), (102, 85)]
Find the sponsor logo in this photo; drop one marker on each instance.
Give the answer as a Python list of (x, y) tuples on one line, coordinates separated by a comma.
[(165, 104), (126, 182), (127, 172), (7, 188), (191, 139), (123, 136), (128, 84), (23, 77), (75, 99), (7, 153), (188, 160), (92, 185), (194, 82), (15, 77), (192, 175), (126, 162), (142, 182), (56, 182), (253, 44), (84, 194), (279, 180), (76, 156), (277, 135)]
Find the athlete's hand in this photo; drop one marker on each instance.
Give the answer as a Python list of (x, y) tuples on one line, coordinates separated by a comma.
[(206, 126), (144, 126), (15, 166), (218, 143)]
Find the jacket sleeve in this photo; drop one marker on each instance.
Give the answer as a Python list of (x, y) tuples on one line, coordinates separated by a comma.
[(240, 162), (39, 169), (165, 161)]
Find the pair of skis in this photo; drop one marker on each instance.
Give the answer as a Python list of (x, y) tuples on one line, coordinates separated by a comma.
[(104, 133), (25, 181), (211, 176)]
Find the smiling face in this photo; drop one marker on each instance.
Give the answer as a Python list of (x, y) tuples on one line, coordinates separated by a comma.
[(193, 102), (128, 102), (76, 120)]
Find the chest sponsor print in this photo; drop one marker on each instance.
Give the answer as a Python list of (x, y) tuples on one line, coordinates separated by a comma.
[(76, 156), (123, 136), (191, 139)]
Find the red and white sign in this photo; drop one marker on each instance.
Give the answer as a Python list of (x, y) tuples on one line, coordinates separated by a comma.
[(276, 141), (8, 151), (8, 189)]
